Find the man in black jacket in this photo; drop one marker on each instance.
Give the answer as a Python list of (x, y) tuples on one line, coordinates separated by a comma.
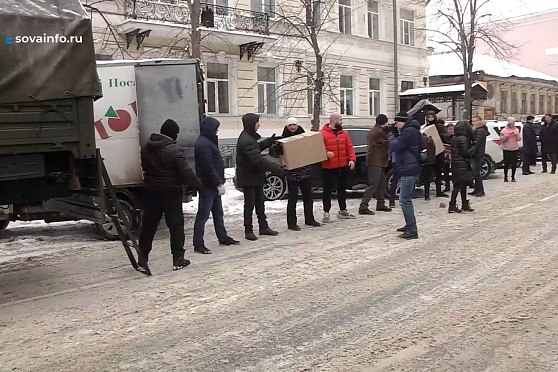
[(481, 132), (530, 147), (211, 171), (165, 171), (432, 119), (549, 143), (250, 174)]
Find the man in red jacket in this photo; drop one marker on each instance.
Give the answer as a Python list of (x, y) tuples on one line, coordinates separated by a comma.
[(341, 158)]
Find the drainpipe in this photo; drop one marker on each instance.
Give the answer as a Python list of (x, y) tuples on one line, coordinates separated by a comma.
[(395, 62)]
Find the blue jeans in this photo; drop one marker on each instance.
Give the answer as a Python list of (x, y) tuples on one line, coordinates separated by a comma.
[(405, 200), (209, 202)]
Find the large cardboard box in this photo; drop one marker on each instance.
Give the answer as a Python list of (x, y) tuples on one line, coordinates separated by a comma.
[(432, 132), (303, 149)]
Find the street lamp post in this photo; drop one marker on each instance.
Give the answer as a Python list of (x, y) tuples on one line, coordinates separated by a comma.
[(395, 62)]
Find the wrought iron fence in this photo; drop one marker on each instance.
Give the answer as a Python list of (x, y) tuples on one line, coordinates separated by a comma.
[(228, 152), (212, 16)]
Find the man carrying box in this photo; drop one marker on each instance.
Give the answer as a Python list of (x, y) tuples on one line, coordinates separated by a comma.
[(341, 158)]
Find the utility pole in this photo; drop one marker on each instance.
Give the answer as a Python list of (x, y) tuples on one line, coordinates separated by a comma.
[(395, 62)]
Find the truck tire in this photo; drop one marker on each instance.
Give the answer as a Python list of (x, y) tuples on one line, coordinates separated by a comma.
[(108, 230), (4, 225)]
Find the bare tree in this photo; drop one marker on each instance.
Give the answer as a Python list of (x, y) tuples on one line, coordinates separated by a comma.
[(459, 25), (304, 21)]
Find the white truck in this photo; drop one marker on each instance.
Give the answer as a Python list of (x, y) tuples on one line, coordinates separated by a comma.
[(138, 96)]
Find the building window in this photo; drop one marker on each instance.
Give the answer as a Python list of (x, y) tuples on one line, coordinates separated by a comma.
[(532, 104), (310, 94), (264, 6), (217, 88), (266, 90), (407, 25), (523, 103), (373, 20), (503, 101), (345, 16), (406, 85), (513, 102), (549, 105), (374, 96), (346, 95), (541, 104)]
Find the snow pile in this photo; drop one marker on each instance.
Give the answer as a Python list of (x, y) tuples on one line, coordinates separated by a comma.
[(450, 64)]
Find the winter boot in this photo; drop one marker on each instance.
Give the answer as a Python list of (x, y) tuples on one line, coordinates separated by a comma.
[(179, 263), (250, 236), (382, 208), (201, 249), (467, 207), (344, 215), (365, 211), (453, 208), (229, 241), (268, 231)]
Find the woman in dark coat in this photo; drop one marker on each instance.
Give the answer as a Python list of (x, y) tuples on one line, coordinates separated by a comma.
[(462, 150), (298, 178)]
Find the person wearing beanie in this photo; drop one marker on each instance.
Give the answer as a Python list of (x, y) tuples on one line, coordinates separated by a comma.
[(210, 169), (530, 147), (377, 162), (440, 165), (407, 145), (165, 172), (250, 174), (298, 178), (341, 158)]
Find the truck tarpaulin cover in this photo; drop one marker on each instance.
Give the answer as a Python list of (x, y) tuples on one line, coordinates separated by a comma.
[(35, 62)]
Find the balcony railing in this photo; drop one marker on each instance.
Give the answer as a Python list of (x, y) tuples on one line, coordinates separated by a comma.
[(212, 16)]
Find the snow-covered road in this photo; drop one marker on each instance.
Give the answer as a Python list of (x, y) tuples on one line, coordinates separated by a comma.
[(476, 292)]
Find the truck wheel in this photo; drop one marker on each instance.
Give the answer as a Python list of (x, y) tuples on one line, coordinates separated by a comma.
[(4, 225), (108, 231), (274, 187)]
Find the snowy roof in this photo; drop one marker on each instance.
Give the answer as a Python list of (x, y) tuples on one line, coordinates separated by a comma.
[(450, 64), (439, 90)]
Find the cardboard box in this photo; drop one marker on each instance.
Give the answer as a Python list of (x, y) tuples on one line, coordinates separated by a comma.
[(303, 149), (432, 132)]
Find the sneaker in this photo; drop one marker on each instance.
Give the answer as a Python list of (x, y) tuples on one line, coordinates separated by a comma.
[(344, 215), (365, 211), (250, 236), (268, 231), (383, 208), (295, 228), (201, 249), (313, 224), (326, 218), (180, 263), (409, 235), (229, 241)]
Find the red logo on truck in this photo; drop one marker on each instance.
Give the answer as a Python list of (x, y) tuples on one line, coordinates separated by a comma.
[(118, 121)]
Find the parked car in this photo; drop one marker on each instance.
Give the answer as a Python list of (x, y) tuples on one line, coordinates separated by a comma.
[(275, 187)]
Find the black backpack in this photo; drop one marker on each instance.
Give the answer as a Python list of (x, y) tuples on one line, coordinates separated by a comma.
[(427, 150)]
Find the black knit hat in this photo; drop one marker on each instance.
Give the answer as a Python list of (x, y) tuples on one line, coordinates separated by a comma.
[(170, 129), (530, 117), (381, 119), (402, 116)]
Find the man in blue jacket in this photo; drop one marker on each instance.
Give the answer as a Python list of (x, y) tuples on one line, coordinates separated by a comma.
[(211, 172), (406, 145)]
